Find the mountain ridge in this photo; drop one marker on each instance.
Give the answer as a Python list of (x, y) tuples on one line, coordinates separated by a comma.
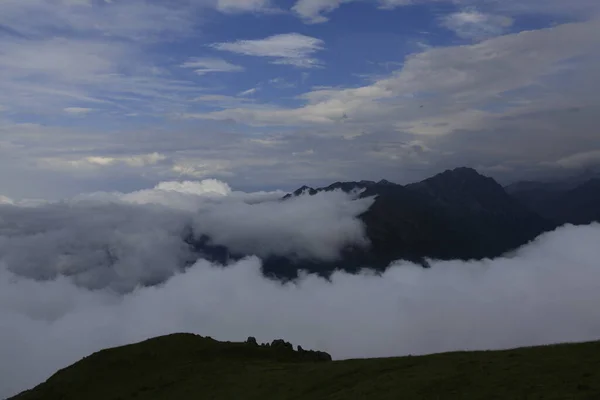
[(456, 214)]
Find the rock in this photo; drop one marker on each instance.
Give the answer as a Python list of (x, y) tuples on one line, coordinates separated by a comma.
[(252, 341), (280, 343)]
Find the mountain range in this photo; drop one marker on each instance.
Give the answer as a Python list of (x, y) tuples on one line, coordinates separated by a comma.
[(457, 214)]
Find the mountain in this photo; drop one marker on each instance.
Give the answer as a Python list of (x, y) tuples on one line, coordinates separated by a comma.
[(561, 184), (573, 202), (485, 221), (458, 214), (185, 366)]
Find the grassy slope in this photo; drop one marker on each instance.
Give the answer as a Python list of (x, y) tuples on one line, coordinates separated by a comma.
[(191, 367)]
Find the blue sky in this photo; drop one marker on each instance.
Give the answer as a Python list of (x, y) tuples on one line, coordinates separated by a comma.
[(121, 94)]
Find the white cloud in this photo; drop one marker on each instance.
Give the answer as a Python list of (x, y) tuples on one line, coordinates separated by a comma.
[(104, 240), (580, 160), (207, 186), (59, 57), (389, 4), (236, 6), (312, 11), (205, 65), (78, 110), (530, 298), (287, 49), (248, 92), (136, 161), (220, 100), (472, 24), (5, 200), (132, 161), (281, 83), (308, 152), (574, 8), (46, 76), (457, 80), (137, 19)]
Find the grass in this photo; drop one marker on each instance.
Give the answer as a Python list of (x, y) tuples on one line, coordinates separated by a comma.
[(184, 366)]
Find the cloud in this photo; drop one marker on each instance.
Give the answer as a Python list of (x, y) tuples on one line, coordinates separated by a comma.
[(220, 100), (5, 200), (78, 110), (281, 83), (60, 57), (248, 92), (137, 19), (203, 66), (472, 24), (237, 6), (311, 11), (529, 298), (135, 161), (107, 240), (45, 76), (286, 49), (455, 81), (575, 8), (132, 161), (580, 160)]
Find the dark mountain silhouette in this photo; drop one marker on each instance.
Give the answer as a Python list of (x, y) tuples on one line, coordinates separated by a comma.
[(185, 366), (573, 202), (458, 214)]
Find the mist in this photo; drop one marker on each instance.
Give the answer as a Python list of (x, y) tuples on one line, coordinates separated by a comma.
[(107, 269)]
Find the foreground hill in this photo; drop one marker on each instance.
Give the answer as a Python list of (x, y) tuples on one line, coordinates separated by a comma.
[(184, 366)]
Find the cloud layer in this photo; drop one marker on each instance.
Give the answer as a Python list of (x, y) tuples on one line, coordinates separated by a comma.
[(287, 49), (53, 254), (119, 241)]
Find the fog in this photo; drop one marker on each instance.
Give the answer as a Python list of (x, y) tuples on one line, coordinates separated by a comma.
[(74, 279)]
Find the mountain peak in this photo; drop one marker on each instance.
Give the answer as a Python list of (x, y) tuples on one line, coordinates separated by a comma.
[(467, 189), (462, 172), (301, 191), (458, 179)]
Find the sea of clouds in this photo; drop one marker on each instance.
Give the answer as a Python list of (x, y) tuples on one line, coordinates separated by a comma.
[(106, 269)]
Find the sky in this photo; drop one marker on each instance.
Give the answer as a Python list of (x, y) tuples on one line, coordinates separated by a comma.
[(110, 268), (119, 95)]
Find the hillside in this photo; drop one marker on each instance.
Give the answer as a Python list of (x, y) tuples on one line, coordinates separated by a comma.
[(184, 366)]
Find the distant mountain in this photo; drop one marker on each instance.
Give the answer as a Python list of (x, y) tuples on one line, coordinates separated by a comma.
[(458, 214), (562, 202), (485, 221)]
